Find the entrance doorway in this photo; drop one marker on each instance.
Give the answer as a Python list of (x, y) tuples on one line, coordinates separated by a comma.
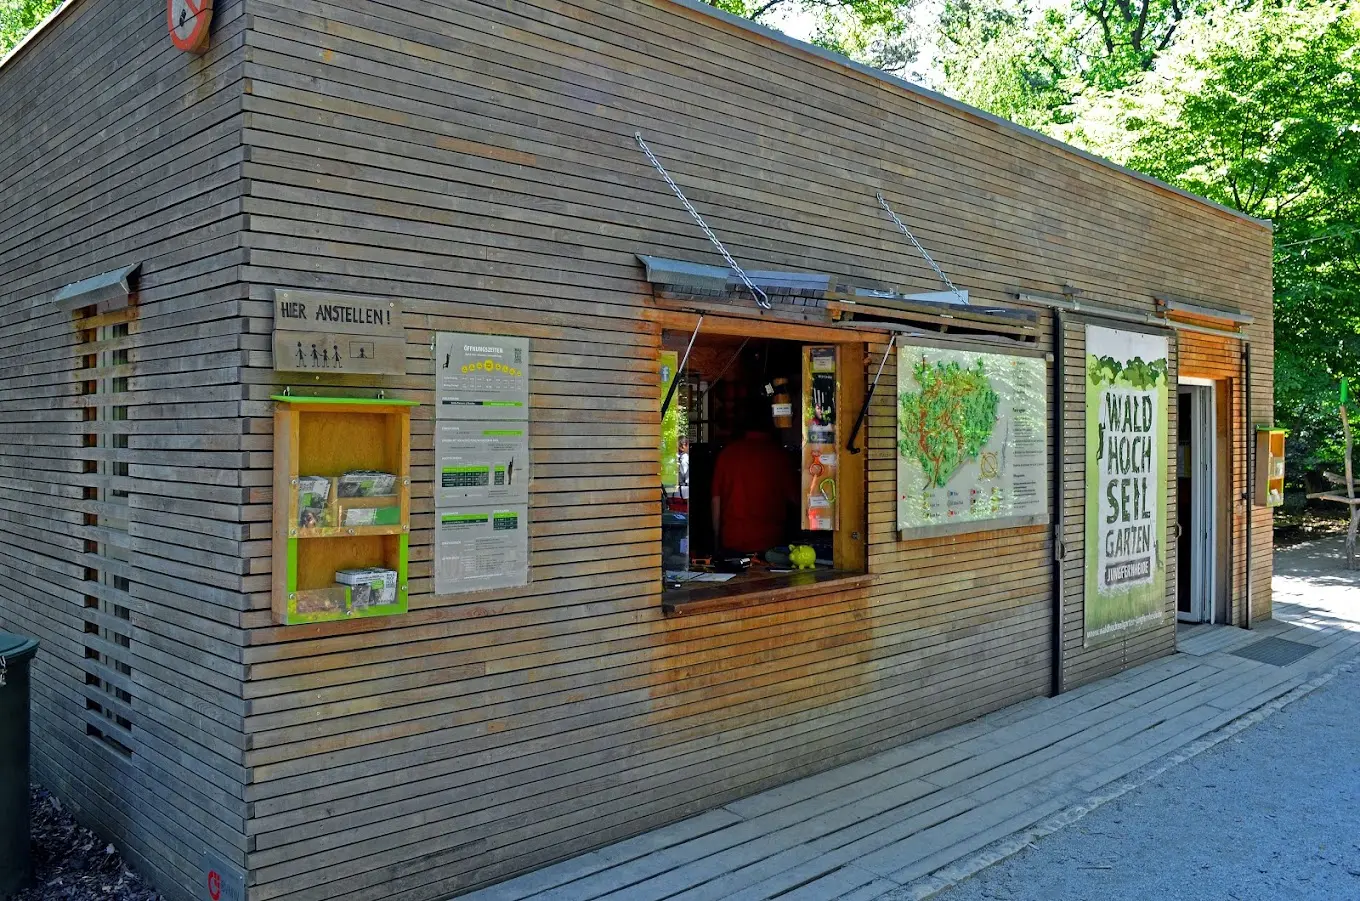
[(1196, 504)]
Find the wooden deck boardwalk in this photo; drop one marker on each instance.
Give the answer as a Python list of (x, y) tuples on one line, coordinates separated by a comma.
[(906, 822)]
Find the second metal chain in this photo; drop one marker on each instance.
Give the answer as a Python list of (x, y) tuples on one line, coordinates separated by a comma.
[(938, 271), (759, 295)]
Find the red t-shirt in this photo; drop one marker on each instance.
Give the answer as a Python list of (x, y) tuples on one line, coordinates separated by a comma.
[(755, 483)]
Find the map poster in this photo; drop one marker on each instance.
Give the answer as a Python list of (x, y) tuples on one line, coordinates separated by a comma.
[(477, 548), (972, 441), (1126, 426), (481, 376)]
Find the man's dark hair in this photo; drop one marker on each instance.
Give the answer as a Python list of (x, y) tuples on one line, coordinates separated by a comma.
[(754, 413)]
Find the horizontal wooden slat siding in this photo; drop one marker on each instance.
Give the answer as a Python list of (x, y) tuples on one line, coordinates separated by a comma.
[(116, 148), (476, 159)]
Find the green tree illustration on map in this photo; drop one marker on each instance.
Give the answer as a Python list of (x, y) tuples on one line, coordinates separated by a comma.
[(948, 421)]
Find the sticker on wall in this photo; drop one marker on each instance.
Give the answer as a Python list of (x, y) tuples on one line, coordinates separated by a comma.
[(189, 22), (1126, 482), (220, 880)]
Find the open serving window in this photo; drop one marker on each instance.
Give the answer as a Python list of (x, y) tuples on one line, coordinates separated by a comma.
[(759, 494)]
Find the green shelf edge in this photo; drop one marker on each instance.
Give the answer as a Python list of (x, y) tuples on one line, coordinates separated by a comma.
[(370, 401)]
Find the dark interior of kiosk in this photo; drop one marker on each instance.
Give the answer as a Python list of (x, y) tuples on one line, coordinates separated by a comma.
[(724, 379)]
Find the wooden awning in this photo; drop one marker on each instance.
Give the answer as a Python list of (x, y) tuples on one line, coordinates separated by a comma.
[(1179, 307), (866, 308)]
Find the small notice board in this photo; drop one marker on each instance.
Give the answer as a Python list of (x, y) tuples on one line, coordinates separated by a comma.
[(482, 468)]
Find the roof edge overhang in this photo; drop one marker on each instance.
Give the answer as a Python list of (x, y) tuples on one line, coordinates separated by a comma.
[(703, 8)]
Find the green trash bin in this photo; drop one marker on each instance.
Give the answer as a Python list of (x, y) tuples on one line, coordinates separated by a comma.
[(16, 866)]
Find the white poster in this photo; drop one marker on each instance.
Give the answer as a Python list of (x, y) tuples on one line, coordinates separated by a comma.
[(481, 548), (483, 462), (481, 376), (972, 440)]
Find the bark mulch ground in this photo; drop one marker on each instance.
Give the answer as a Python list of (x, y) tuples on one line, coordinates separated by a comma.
[(71, 863), (1308, 525)]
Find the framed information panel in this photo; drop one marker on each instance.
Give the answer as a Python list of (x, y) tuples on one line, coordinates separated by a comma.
[(482, 466)]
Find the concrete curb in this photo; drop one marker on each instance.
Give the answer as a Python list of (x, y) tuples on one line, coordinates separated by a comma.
[(970, 866)]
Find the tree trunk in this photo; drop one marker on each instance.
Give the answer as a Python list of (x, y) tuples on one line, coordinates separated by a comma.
[(1350, 492)]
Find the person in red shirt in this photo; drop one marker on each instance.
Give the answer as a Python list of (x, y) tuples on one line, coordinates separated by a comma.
[(755, 487)]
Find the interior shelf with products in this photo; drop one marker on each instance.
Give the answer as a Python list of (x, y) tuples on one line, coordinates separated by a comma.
[(342, 508)]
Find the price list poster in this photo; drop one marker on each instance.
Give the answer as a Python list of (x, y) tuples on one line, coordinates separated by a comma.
[(482, 471)]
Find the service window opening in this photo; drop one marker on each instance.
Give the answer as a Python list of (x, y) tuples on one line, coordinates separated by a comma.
[(753, 490)]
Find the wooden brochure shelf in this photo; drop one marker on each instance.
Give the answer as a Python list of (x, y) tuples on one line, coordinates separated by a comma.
[(342, 508)]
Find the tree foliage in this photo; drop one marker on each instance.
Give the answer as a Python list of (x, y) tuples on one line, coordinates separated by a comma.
[(876, 32), (1003, 57), (19, 17), (1255, 105), (1259, 109)]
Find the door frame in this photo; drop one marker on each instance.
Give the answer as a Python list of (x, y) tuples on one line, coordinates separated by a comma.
[(1203, 498)]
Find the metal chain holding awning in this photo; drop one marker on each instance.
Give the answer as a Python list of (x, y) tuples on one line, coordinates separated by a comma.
[(963, 298), (758, 294)]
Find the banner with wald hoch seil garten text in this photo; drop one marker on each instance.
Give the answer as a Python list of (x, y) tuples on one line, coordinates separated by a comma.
[(1126, 430)]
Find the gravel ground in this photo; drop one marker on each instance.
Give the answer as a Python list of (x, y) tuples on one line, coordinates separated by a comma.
[(70, 863), (1272, 813)]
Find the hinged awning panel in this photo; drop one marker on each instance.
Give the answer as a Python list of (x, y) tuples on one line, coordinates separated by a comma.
[(1179, 305), (701, 277), (108, 290)]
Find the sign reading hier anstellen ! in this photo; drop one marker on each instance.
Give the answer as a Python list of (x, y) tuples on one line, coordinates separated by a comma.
[(338, 334)]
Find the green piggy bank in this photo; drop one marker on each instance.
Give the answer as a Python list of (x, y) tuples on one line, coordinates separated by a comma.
[(802, 556)]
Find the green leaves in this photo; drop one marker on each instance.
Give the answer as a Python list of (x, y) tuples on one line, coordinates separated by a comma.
[(875, 32), (19, 17), (1137, 373), (948, 420)]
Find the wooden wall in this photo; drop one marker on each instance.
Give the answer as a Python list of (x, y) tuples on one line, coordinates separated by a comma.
[(123, 465), (477, 159)]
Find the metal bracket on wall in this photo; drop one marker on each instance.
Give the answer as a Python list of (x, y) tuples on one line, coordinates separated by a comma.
[(868, 397), (761, 299)]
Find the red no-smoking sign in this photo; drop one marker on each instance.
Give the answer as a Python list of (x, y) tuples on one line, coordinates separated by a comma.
[(189, 23)]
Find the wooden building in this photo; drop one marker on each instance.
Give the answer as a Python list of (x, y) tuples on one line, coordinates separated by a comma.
[(475, 167)]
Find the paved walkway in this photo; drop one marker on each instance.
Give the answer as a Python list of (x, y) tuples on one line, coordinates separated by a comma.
[(1273, 814), (911, 821)]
